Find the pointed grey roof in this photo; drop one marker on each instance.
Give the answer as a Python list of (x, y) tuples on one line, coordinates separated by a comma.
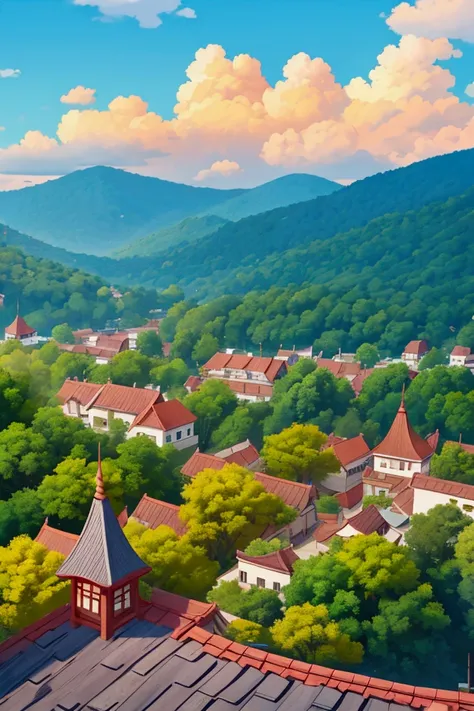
[(102, 554)]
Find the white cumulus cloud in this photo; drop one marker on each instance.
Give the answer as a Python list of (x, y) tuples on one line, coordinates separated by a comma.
[(146, 12), (434, 18), (9, 73)]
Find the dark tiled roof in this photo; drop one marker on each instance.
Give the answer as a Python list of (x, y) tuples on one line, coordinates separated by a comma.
[(153, 513), (102, 554), (367, 521), (158, 665)]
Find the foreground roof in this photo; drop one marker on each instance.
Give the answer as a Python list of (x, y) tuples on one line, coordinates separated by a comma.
[(153, 513), (168, 661), (19, 327), (291, 492), (402, 440), (282, 561), (367, 521)]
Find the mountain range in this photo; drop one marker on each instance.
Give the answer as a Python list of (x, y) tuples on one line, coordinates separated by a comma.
[(98, 210)]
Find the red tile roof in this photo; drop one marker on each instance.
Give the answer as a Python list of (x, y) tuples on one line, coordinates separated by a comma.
[(291, 492), (115, 341), (418, 348), (244, 454), (350, 498), (282, 561), (55, 540), (19, 328), (339, 369), (271, 367), (153, 513), (404, 501), (402, 440), (392, 482), (469, 448), (443, 486), (348, 450), (360, 379), (433, 440), (327, 529), (81, 392), (122, 398), (368, 521), (193, 383), (461, 351), (218, 361), (165, 416), (250, 388)]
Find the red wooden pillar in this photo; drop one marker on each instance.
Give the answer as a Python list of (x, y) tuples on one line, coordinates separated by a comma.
[(106, 613)]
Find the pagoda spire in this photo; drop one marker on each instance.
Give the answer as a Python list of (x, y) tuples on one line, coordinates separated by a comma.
[(99, 480), (402, 401)]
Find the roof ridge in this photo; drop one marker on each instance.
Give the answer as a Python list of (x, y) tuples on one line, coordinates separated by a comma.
[(287, 481), (66, 534), (160, 501)]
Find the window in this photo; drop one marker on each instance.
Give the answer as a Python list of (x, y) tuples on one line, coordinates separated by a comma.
[(121, 600), (277, 587), (168, 438), (178, 434), (99, 423), (188, 432), (409, 466), (467, 507), (383, 464), (402, 466), (453, 501), (260, 583), (242, 576), (88, 597)]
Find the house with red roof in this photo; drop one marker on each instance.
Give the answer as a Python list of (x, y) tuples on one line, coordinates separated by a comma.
[(110, 649), (401, 454), (367, 521), (293, 356), (414, 352), (144, 410), (300, 496), (250, 377), (353, 455), (152, 513), (243, 453), (19, 330), (272, 570)]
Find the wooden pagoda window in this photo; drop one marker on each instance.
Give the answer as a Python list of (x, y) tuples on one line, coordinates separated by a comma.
[(88, 597), (122, 600)]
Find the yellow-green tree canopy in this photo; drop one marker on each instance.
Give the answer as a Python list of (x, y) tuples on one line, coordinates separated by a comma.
[(295, 453), (246, 632), (307, 633), (177, 565), (225, 510), (29, 588)]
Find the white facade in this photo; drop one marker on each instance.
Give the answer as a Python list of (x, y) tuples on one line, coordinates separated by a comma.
[(24, 340), (347, 477), (457, 359), (400, 467), (251, 574), (424, 500)]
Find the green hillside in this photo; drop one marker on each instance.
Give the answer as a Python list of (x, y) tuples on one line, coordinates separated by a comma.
[(99, 209), (288, 190), (185, 232)]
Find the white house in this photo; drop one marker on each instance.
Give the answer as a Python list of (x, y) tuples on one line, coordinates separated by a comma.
[(20, 331), (144, 411), (251, 378), (429, 491), (294, 355), (414, 352), (400, 455), (243, 453), (353, 455), (272, 571), (369, 520)]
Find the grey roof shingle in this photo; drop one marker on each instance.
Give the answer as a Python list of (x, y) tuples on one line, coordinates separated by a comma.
[(142, 667), (102, 554)]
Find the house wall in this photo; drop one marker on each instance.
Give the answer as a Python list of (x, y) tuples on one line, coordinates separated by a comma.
[(108, 415), (255, 571), (305, 521), (160, 437), (400, 467), (345, 479), (234, 374), (457, 360), (424, 500), (28, 341), (253, 398)]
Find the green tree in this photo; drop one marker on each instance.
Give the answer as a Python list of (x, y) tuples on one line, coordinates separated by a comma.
[(246, 422), (381, 500), (30, 589), (150, 344), (225, 510), (211, 404), (205, 348), (367, 355), (436, 356), (261, 606), (295, 453), (21, 513), (464, 554), (466, 336), (307, 633), (130, 368), (170, 375), (432, 536), (227, 595), (62, 333), (13, 397), (177, 565), (328, 505), (245, 632), (349, 425), (317, 580), (146, 467), (454, 464), (49, 353), (260, 547), (70, 365)]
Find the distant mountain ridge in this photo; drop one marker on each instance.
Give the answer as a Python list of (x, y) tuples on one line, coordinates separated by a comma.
[(98, 209)]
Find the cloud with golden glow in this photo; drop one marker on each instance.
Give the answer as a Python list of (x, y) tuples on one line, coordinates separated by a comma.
[(79, 95), (220, 168)]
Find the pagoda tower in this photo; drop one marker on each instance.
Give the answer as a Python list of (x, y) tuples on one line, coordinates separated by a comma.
[(104, 570)]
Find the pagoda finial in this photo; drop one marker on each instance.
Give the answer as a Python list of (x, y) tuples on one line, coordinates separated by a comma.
[(402, 403), (99, 485), (460, 438)]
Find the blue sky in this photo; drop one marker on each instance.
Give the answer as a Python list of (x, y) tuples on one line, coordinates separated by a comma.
[(58, 45)]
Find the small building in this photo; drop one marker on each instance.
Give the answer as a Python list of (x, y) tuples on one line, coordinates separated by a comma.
[(152, 513), (299, 496), (428, 491), (368, 521), (144, 411), (339, 368), (243, 453), (250, 377), (458, 355), (292, 357), (193, 383), (272, 571), (414, 352), (19, 330), (133, 333), (353, 455)]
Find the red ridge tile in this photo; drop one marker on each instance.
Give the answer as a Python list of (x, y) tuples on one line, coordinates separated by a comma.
[(403, 688), (303, 667), (257, 663), (315, 680), (199, 634), (425, 692), (357, 688), (210, 649), (403, 699), (380, 683), (323, 671), (278, 660), (294, 674), (343, 675), (446, 695), (238, 648), (231, 656), (256, 654), (274, 668)]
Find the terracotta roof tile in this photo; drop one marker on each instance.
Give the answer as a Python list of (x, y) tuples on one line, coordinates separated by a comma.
[(218, 361), (443, 486), (165, 416), (418, 348), (55, 540), (402, 440), (368, 521), (19, 327), (348, 499), (349, 450), (193, 383), (121, 398), (244, 454), (360, 379), (153, 513), (461, 351), (281, 561), (404, 501), (248, 388), (81, 392)]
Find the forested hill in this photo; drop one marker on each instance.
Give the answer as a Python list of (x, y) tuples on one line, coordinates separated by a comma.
[(98, 209), (243, 243)]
